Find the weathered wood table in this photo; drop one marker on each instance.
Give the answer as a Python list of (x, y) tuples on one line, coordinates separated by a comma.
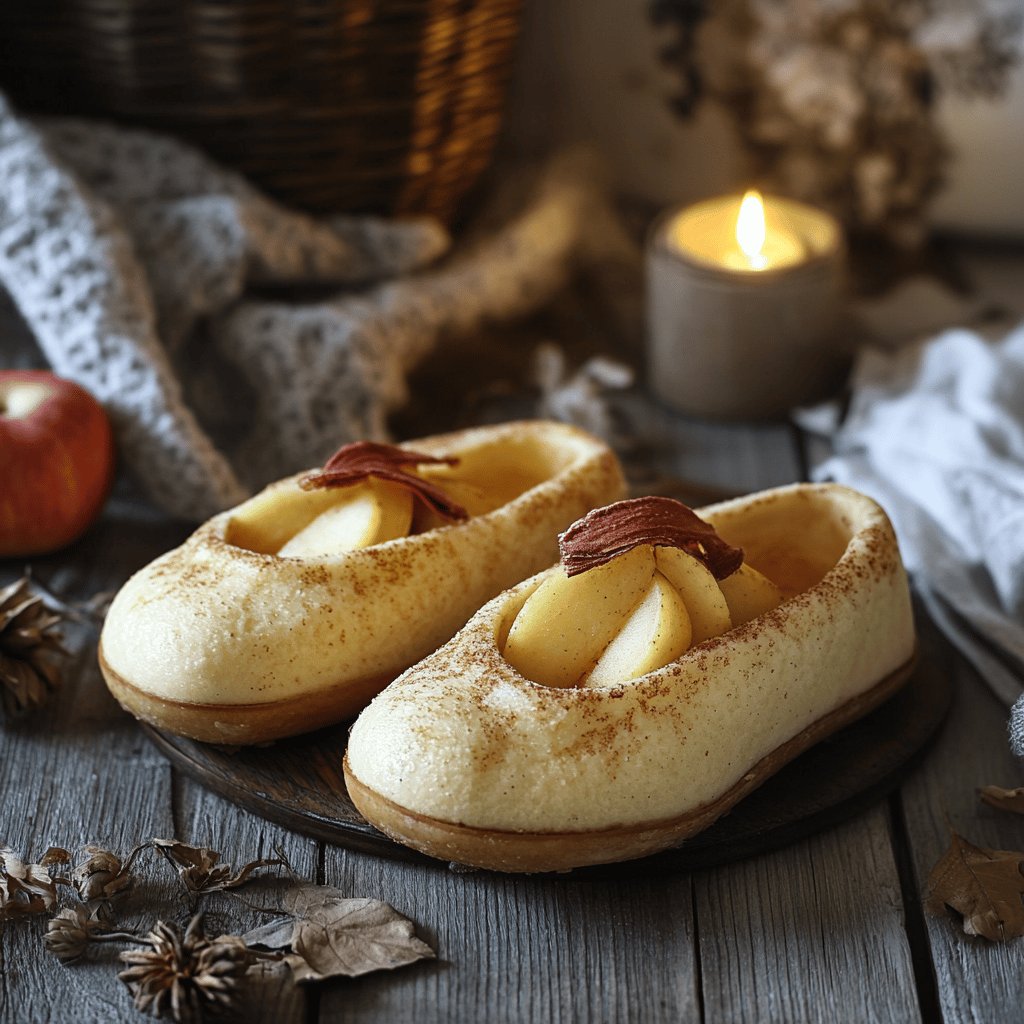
[(830, 928)]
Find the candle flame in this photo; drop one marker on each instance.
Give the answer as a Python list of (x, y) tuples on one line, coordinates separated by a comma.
[(750, 229)]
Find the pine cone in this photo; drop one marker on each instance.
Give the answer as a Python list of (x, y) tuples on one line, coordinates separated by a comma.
[(185, 976), (28, 642)]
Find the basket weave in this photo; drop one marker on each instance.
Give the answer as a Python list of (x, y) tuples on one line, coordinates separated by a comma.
[(389, 106)]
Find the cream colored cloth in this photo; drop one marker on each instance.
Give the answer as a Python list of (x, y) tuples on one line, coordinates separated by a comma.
[(935, 433)]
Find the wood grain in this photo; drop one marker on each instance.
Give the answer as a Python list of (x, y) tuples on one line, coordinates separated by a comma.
[(82, 772), (79, 772), (719, 459), (520, 949), (976, 980), (204, 819), (813, 933)]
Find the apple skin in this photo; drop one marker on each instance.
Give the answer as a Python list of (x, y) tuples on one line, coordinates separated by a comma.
[(56, 461)]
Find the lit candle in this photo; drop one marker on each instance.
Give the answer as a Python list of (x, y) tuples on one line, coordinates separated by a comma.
[(743, 304), (747, 234)]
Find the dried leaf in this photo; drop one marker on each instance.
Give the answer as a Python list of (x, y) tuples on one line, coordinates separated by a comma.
[(331, 935), (273, 935), (985, 886), (361, 460), (24, 888), (200, 869), (1003, 799), (607, 532)]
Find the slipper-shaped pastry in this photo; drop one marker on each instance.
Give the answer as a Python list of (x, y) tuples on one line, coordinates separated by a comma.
[(616, 704), (292, 610)]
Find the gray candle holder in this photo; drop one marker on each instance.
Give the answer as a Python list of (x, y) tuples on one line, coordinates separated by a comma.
[(746, 345)]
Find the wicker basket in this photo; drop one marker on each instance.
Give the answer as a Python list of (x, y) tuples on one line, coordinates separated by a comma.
[(390, 106)]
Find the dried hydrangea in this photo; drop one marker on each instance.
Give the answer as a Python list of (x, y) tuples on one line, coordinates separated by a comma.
[(835, 99)]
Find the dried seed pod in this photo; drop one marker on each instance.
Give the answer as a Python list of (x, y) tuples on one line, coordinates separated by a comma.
[(29, 640), (185, 976), (101, 876), (69, 933)]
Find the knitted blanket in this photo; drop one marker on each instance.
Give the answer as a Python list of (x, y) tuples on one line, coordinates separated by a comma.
[(231, 340)]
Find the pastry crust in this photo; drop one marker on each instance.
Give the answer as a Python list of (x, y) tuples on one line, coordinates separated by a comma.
[(229, 645), (464, 759)]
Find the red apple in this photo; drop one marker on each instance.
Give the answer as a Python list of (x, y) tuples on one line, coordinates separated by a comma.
[(56, 461)]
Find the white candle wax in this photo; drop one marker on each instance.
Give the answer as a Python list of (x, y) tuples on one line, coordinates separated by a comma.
[(744, 326)]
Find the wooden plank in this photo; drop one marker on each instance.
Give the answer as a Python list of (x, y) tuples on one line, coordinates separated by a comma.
[(522, 949), (813, 932), (203, 819), (80, 772), (976, 980), (720, 459), (85, 774)]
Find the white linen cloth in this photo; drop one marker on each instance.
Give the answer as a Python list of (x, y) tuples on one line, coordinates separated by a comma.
[(935, 433), (182, 299)]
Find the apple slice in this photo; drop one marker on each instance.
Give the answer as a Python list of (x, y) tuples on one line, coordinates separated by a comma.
[(749, 594), (370, 513), (709, 611), (569, 620), (657, 632)]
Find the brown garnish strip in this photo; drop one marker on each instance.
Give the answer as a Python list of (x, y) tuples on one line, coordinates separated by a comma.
[(606, 532), (361, 460)]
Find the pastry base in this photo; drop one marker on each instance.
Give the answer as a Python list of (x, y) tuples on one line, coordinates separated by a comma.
[(241, 724), (500, 850)]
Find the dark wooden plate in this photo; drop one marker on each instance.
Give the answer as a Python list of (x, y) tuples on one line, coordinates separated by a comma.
[(298, 783)]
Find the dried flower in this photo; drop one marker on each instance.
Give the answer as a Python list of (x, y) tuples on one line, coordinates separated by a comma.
[(817, 86), (28, 643), (184, 976), (69, 933), (24, 888), (102, 875), (200, 869)]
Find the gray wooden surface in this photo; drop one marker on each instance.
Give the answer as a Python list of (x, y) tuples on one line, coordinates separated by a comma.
[(829, 929)]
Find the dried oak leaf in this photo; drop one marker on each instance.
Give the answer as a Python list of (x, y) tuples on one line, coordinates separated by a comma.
[(1003, 799), (331, 935), (605, 533), (985, 886), (24, 888), (353, 463), (200, 869)]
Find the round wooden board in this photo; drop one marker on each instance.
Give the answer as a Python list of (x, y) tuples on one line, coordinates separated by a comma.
[(298, 783)]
